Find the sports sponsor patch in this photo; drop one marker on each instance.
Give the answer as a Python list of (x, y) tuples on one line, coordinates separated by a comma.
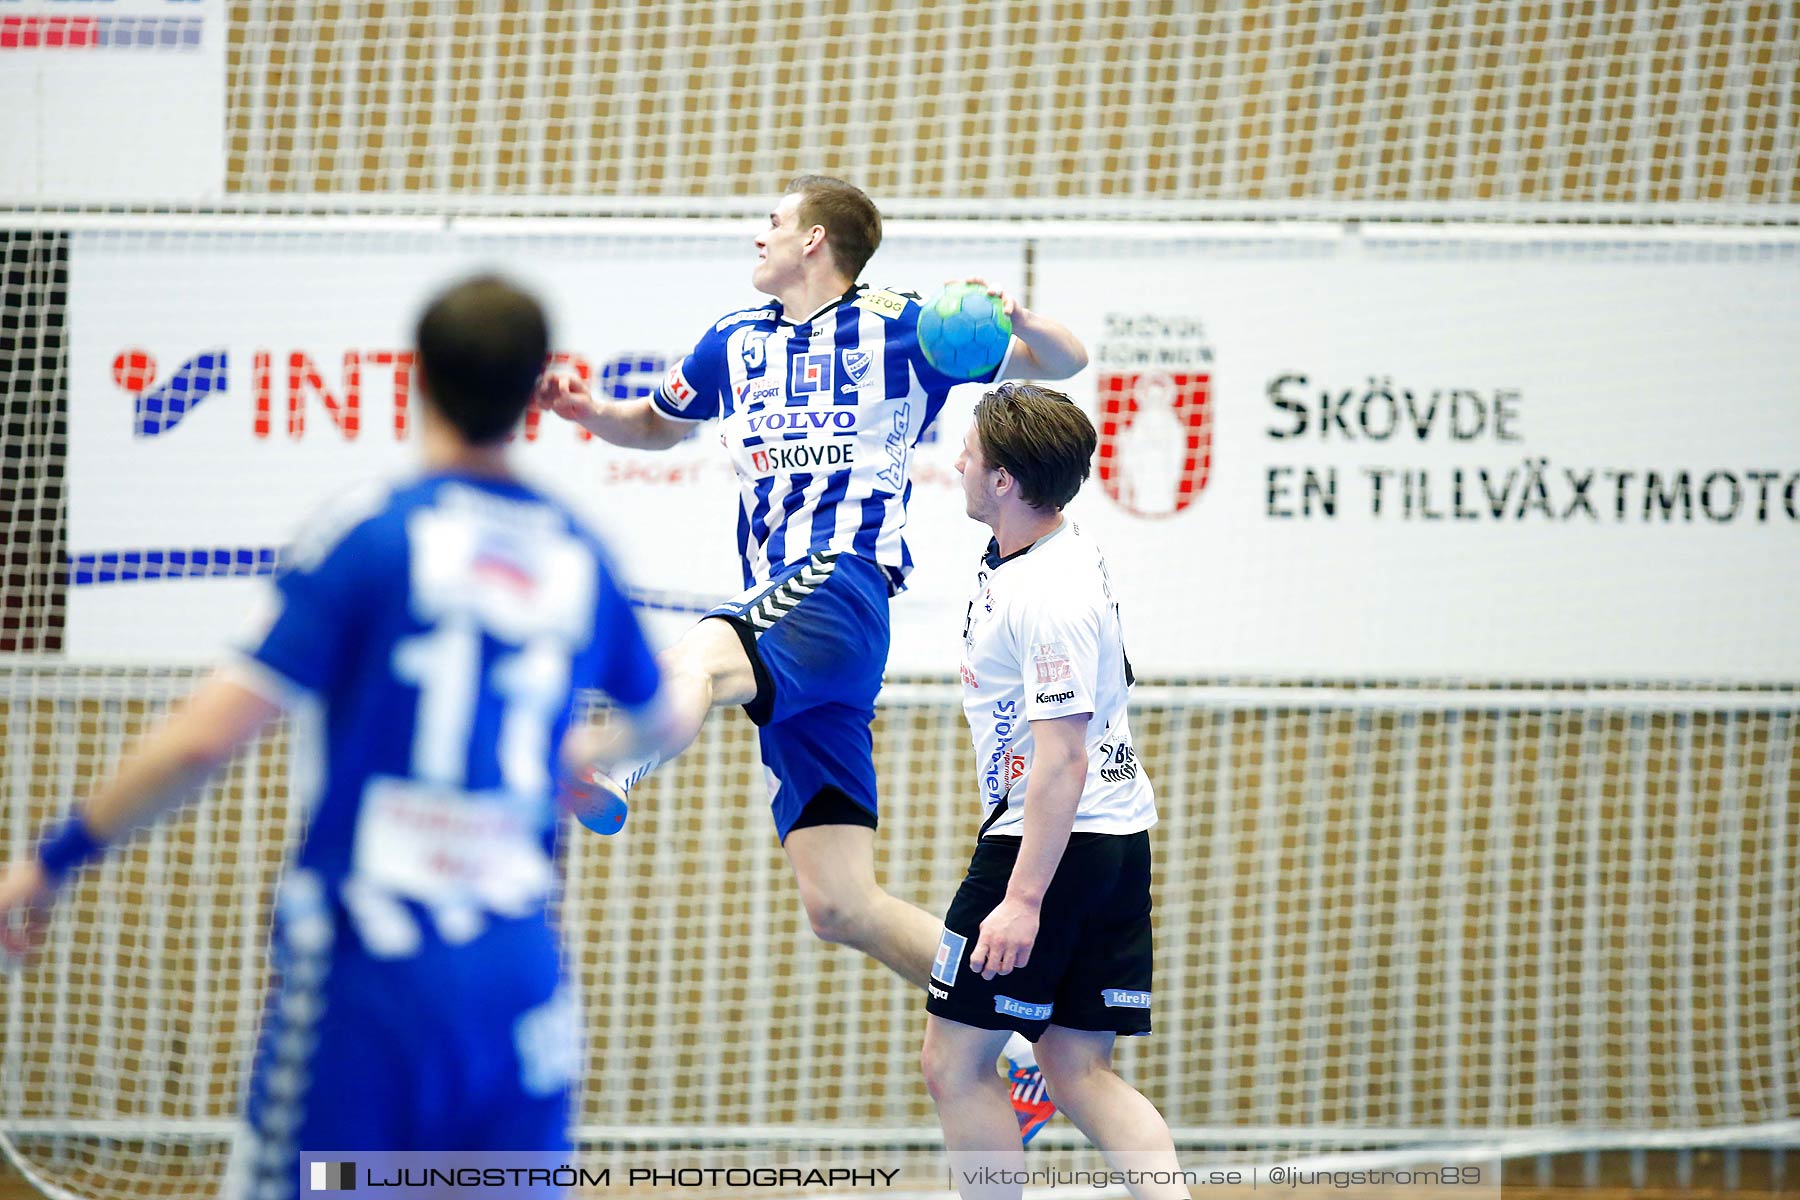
[(1118, 762), (810, 373), (788, 421), (888, 305), (997, 780), (1008, 1007), (757, 394), (809, 457), (437, 845), (744, 314), (1121, 998), (679, 389), (1051, 660), (948, 958)]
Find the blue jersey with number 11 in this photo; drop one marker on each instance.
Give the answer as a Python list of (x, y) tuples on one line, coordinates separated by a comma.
[(444, 628)]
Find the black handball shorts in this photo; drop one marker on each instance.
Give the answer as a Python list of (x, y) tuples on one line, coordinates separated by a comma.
[(1090, 966)]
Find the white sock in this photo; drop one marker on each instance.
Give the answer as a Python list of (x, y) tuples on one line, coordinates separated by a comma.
[(1020, 1051), (627, 774)]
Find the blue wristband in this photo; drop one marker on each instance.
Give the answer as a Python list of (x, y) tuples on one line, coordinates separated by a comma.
[(68, 848)]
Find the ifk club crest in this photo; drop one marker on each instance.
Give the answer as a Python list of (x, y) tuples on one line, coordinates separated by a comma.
[(1155, 431)]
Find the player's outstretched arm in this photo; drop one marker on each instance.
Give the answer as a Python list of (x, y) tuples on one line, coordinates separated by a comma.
[(1047, 348), (631, 423), (171, 761)]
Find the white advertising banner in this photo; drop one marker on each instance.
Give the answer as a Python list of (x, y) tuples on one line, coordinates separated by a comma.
[(224, 386), (1480, 454), (120, 100)]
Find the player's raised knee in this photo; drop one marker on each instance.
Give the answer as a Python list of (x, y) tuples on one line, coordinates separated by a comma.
[(833, 918), (711, 656)]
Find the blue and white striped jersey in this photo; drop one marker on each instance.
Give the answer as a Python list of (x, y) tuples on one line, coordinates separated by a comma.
[(820, 417), (440, 631)]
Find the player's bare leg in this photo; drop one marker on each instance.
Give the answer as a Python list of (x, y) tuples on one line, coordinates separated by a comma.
[(833, 864), (1123, 1125), (835, 868), (706, 669), (979, 1130)]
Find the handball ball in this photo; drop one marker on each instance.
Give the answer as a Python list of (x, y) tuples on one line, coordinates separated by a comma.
[(963, 331)]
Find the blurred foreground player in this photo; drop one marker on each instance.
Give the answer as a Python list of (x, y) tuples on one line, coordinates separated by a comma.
[(437, 632), (1049, 934)]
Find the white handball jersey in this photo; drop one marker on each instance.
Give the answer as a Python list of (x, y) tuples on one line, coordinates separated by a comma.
[(820, 417), (1042, 639)]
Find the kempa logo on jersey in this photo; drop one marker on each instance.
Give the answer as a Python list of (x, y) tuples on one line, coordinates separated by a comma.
[(803, 456), (838, 420), (1054, 697)]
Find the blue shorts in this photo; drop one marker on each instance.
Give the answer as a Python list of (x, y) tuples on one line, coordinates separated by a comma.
[(817, 637), (470, 1046)]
